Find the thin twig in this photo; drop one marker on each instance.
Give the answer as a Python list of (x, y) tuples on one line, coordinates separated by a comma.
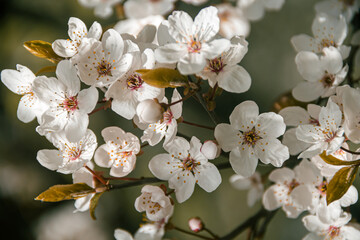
[(134, 183), (183, 99), (198, 125), (191, 233), (144, 145), (202, 102), (95, 175), (349, 151), (213, 92), (260, 234), (248, 223), (211, 233), (123, 178)]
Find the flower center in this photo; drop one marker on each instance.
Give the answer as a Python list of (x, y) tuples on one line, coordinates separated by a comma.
[(216, 65), (251, 137), (314, 122), (292, 185), (104, 68), (333, 232), (190, 164), (134, 81), (327, 43), (328, 80), (194, 46), (329, 135), (167, 116), (70, 104), (72, 152), (323, 188)]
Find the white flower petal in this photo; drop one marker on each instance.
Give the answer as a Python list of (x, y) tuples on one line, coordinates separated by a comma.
[(208, 176), (308, 91), (244, 115), (235, 79), (271, 151), (227, 137), (204, 29), (50, 159), (184, 184), (270, 125), (243, 161)]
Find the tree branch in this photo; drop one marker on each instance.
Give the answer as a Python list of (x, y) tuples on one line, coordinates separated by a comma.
[(248, 223)]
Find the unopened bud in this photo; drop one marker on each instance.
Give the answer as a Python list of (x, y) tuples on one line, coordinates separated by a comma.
[(210, 149), (149, 111), (195, 224)]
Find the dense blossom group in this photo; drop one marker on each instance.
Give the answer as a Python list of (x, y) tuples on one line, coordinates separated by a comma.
[(117, 64)]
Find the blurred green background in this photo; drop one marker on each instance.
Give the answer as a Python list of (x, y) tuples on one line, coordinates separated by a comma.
[(270, 62)]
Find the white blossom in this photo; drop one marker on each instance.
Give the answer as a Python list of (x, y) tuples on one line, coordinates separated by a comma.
[(77, 32), (130, 89), (102, 8), (328, 31), (293, 117), (68, 107), (327, 136), (102, 63), (334, 231), (232, 21), (166, 127), (335, 8), (70, 156), (290, 191), (135, 26), (328, 170), (322, 74), (148, 8), (253, 184), (21, 81), (118, 152), (351, 108), (250, 137), (254, 9), (225, 71), (191, 41), (154, 201), (185, 166)]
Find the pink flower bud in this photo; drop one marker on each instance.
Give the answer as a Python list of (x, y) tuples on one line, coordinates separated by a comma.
[(149, 111), (210, 149), (195, 224)]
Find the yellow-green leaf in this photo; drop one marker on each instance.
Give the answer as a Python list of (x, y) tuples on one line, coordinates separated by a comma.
[(329, 159), (58, 193), (163, 77), (340, 183), (42, 49), (46, 70), (93, 203)]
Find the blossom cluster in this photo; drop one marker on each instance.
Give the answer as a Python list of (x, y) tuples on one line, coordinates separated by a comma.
[(131, 68)]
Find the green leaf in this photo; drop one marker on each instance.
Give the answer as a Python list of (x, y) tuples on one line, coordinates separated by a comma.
[(163, 77), (93, 203), (329, 159), (340, 183), (58, 193), (42, 49), (46, 70)]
